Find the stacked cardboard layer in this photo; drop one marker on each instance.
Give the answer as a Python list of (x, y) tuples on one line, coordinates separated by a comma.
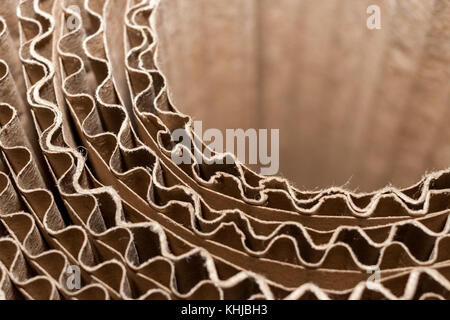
[(87, 180)]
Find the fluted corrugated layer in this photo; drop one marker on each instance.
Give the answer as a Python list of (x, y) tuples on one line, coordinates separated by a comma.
[(87, 179)]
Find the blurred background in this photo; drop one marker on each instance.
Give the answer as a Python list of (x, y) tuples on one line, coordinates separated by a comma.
[(355, 107)]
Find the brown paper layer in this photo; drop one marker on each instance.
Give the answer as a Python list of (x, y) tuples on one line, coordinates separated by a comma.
[(87, 180)]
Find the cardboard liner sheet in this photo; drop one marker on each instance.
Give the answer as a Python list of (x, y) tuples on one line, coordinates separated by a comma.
[(87, 179)]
